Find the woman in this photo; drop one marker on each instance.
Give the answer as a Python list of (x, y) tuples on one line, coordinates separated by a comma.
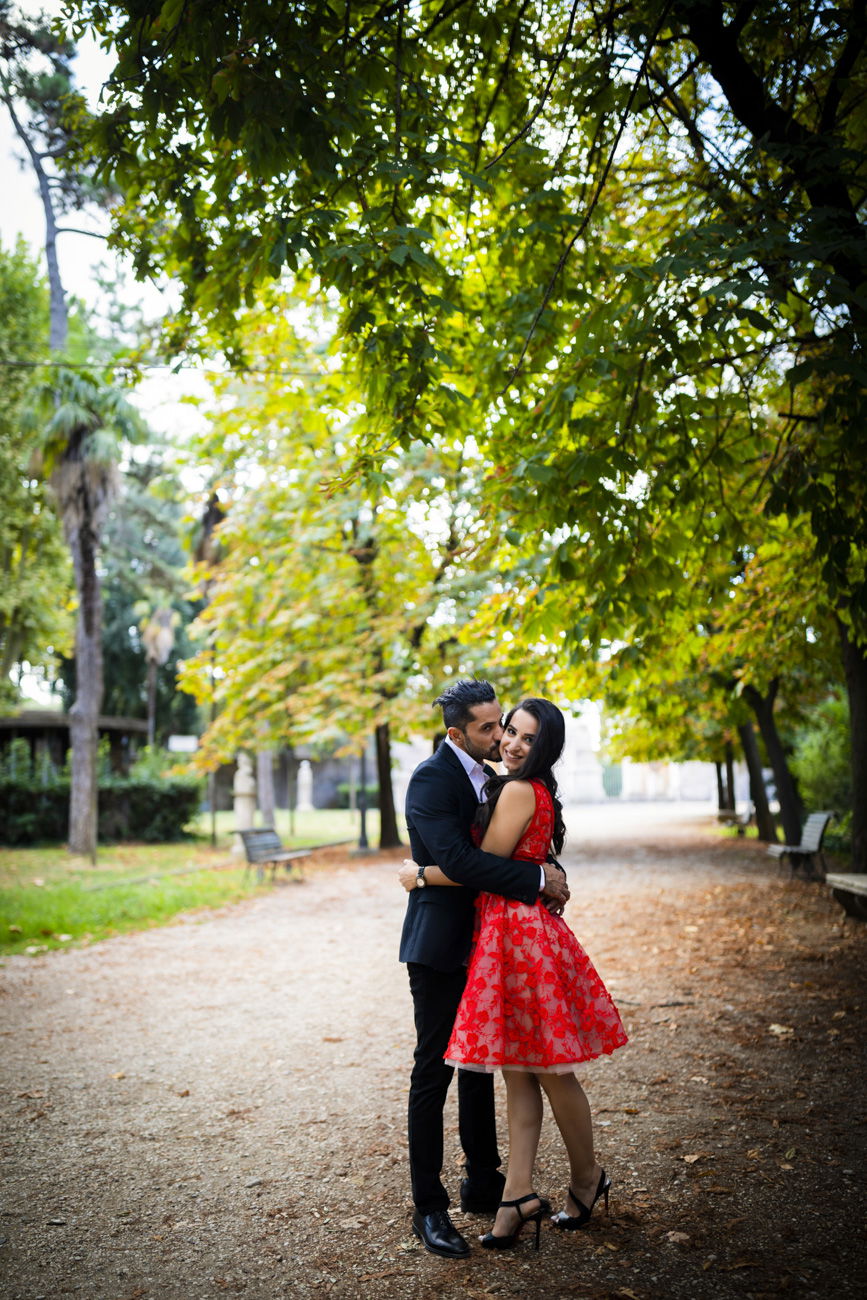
[(533, 1005)]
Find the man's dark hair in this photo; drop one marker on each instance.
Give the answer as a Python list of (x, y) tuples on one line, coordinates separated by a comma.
[(458, 701)]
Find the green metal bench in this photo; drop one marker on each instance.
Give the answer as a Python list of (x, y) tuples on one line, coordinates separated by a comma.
[(264, 850), (810, 846)]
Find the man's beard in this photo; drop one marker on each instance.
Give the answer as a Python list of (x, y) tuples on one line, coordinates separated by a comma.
[(490, 755)]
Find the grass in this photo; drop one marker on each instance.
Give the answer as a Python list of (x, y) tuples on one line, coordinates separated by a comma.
[(299, 830), (50, 899)]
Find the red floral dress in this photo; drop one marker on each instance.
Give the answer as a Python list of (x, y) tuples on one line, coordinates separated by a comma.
[(533, 999)]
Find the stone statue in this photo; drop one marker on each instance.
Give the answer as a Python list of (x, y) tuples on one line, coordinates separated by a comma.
[(304, 800), (244, 792)]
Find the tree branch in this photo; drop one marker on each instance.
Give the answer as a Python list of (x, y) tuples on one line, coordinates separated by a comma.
[(846, 62), (501, 80), (805, 154), (73, 230), (561, 261), (561, 53)]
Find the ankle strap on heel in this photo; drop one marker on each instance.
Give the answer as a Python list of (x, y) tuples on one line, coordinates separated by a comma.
[(522, 1200)]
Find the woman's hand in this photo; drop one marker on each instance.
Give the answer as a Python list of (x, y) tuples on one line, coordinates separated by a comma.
[(408, 875)]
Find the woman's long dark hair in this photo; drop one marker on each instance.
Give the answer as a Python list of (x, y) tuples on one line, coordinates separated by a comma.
[(546, 748)]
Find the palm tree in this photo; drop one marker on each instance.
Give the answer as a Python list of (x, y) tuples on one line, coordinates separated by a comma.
[(83, 418), (83, 423)]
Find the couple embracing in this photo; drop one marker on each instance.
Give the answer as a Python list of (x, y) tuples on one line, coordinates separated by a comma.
[(498, 979)]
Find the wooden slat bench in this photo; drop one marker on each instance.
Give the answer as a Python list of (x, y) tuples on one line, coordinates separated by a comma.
[(264, 851), (850, 891), (810, 846)]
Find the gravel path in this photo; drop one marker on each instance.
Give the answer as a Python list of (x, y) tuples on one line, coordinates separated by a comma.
[(217, 1107)]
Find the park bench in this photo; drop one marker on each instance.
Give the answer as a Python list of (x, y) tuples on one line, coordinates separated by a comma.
[(850, 891), (264, 850), (731, 817), (810, 846)]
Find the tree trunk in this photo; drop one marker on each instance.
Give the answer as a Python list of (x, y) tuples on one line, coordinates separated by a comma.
[(730, 775), (58, 311), (265, 786), (720, 792), (84, 714), (764, 821), (388, 834), (855, 664), (81, 531), (790, 804)]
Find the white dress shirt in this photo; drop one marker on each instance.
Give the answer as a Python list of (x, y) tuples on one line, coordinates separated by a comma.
[(473, 768)]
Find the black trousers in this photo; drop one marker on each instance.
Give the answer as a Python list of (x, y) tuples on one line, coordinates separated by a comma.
[(435, 996)]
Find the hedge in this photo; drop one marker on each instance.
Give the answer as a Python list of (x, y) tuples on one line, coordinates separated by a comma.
[(130, 808)]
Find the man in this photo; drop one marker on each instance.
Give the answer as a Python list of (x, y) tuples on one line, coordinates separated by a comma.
[(443, 794)]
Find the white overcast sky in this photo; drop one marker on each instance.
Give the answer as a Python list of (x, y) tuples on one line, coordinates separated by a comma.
[(21, 212), (80, 255)]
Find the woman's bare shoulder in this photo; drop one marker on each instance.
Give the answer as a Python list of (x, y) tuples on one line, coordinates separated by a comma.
[(517, 794)]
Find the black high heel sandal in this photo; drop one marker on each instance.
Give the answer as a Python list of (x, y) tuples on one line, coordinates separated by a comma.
[(491, 1242), (570, 1223)]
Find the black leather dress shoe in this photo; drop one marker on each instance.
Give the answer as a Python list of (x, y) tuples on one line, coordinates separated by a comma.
[(482, 1200), (438, 1234)]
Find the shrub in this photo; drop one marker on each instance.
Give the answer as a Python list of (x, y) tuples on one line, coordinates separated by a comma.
[(142, 808), (341, 796), (130, 808), (821, 763), (30, 814)]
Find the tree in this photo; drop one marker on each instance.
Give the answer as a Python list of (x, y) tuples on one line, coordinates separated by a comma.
[(332, 606), (46, 112), (142, 564), (732, 136), (82, 422), (83, 417), (35, 580), (687, 720), (733, 632)]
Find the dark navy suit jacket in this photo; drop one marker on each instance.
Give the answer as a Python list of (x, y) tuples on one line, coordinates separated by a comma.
[(440, 806)]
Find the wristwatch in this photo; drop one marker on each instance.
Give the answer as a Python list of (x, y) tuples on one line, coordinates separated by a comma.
[(420, 881)]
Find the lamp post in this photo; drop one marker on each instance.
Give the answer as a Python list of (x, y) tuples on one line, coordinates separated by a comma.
[(362, 800)]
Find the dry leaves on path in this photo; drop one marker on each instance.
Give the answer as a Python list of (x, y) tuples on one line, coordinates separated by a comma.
[(218, 1107)]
